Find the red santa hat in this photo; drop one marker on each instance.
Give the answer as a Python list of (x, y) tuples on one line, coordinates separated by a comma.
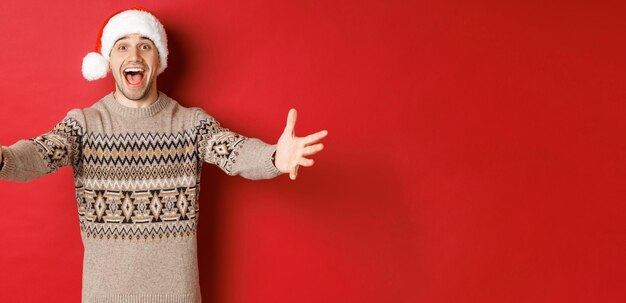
[(132, 21)]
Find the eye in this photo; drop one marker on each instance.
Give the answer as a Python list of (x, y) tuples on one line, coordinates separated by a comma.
[(145, 47), (121, 47)]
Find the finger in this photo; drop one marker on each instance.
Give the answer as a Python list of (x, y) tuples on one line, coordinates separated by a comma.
[(306, 162), (315, 137), (291, 121), (312, 149), (293, 173)]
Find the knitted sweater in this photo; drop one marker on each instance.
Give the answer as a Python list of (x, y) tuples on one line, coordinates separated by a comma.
[(137, 179)]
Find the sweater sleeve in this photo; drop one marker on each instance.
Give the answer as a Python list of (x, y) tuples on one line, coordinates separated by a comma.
[(30, 159), (235, 154)]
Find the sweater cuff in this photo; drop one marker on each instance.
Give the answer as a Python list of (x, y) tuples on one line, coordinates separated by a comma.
[(264, 153), (270, 166), (254, 160), (8, 163)]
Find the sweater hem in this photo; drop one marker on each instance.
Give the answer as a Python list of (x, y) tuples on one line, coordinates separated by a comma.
[(144, 298)]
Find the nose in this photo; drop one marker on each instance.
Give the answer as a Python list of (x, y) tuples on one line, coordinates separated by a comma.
[(134, 55)]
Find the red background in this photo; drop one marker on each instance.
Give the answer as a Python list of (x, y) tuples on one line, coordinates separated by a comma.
[(476, 150)]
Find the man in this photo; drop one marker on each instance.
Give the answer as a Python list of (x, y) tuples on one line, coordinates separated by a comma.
[(137, 156)]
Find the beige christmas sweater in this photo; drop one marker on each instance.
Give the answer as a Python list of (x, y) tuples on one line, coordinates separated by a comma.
[(137, 178)]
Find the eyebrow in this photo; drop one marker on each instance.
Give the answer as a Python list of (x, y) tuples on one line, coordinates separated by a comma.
[(126, 37)]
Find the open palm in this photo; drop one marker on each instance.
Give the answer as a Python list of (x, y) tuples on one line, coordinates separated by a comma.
[(291, 150)]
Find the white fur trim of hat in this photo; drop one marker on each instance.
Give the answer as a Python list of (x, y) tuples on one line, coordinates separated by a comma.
[(96, 64)]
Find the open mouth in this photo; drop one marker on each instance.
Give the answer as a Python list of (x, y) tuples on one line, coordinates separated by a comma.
[(134, 76)]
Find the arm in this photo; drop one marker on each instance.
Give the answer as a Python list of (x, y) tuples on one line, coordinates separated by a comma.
[(233, 153), (252, 158), (30, 159)]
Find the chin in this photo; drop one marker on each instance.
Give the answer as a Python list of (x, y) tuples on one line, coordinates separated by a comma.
[(134, 94)]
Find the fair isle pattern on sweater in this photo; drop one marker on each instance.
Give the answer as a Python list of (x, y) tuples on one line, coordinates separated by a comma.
[(137, 180), (63, 140), (141, 185)]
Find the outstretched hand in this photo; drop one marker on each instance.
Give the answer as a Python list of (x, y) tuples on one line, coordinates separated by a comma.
[(291, 150)]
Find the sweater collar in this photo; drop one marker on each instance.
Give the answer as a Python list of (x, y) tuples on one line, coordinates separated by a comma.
[(153, 109)]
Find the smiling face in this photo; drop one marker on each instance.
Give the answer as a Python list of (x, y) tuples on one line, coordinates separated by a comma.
[(134, 61)]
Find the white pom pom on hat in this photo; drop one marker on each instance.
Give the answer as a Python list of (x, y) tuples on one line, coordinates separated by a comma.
[(132, 21), (95, 66)]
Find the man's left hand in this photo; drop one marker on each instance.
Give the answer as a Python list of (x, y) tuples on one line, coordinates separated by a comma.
[(291, 150)]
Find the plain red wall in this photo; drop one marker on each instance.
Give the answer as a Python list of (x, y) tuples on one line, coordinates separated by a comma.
[(476, 148)]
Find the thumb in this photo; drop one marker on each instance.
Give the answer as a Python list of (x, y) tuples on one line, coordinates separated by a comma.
[(291, 121), (294, 173)]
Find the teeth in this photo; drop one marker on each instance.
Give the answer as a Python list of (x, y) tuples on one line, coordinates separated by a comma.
[(133, 70)]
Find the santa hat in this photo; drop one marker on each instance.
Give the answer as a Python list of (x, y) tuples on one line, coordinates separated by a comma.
[(133, 21)]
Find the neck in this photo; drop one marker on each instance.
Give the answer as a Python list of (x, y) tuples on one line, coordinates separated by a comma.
[(146, 101)]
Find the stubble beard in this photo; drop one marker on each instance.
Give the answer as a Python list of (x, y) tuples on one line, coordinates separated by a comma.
[(134, 95)]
